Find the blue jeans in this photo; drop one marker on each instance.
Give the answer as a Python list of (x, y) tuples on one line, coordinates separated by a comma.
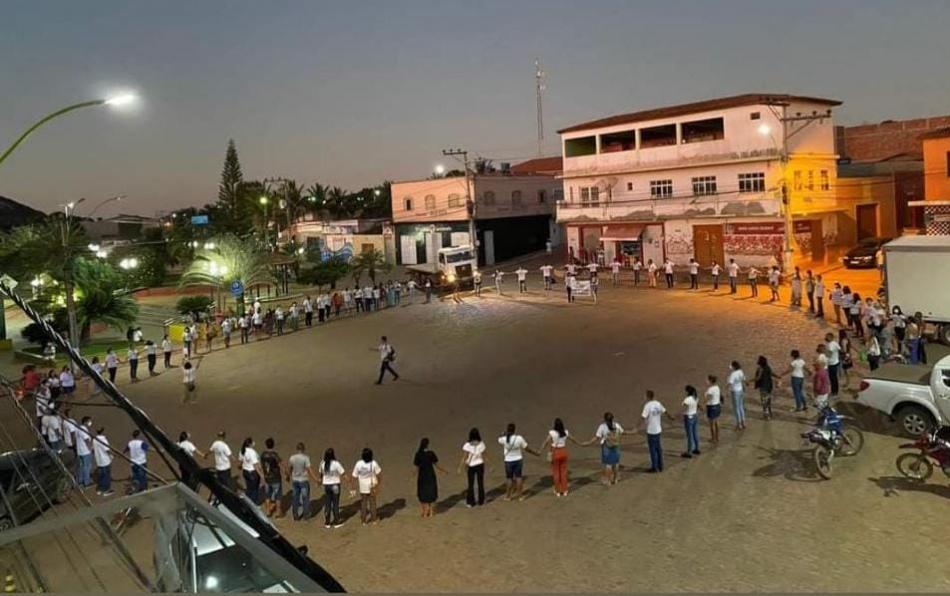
[(738, 407), (139, 477), (84, 474), (692, 435), (331, 506), (301, 500), (656, 452), (798, 391), (104, 478)]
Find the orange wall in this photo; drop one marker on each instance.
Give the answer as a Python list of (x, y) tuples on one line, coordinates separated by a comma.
[(936, 178)]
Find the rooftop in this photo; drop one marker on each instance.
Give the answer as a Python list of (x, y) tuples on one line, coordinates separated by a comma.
[(746, 99), (939, 133), (538, 165)]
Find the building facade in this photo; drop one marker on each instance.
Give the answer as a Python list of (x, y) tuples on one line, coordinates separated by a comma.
[(513, 215), (936, 206), (342, 238), (701, 180)]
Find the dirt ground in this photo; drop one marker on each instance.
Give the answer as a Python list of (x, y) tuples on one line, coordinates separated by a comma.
[(748, 515)]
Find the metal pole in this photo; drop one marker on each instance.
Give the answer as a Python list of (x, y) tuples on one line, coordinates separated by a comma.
[(68, 284), (45, 119), (786, 200)]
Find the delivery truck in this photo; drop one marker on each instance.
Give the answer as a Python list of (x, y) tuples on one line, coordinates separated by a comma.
[(917, 278)]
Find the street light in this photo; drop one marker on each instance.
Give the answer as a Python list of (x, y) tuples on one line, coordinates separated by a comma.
[(263, 201), (129, 264), (439, 169), (209, 245)]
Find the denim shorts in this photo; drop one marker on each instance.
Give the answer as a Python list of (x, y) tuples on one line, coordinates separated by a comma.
[(609, 455), (713, 412), (274, 491), (514, 469)]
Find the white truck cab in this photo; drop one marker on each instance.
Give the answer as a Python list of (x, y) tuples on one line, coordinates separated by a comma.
[(916, 396)]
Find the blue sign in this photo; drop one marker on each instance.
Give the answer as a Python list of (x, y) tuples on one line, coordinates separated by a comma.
[(199, 220), (237, 288)]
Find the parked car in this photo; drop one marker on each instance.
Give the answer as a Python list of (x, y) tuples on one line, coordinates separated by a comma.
[(864, 255), (917, 397), (29, 480)]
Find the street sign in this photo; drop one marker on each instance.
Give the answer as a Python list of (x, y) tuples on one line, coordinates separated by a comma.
[(237, 288), (199, 220)]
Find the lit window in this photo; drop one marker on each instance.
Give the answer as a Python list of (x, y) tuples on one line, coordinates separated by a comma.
[(752, 182), (455, 200), (825, 184), (811, 180), (704, 185), (661, 189), (516, 198), (407, 203)]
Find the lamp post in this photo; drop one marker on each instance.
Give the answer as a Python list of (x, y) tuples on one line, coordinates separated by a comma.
[(264, 201), (787, 252)]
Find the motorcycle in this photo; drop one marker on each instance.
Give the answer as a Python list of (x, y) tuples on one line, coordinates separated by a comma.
[(832, 437), (930, 446)]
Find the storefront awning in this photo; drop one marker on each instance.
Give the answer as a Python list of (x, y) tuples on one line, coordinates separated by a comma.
[(622, 233)]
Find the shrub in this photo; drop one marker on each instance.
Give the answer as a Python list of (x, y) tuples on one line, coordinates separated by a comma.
[(193, 305)]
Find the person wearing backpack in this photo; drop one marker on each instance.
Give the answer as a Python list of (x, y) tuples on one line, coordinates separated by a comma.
[(608, 435), (387, 355), (271, 464)]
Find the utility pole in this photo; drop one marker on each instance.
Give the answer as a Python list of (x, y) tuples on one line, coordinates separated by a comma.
[(539, 87), (788, 132), (470, 198)]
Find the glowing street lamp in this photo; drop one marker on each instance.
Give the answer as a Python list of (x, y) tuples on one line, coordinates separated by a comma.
[(439, 169), (209, 245), (129, 264)]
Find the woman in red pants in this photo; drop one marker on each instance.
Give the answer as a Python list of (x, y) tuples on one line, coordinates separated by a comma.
[(556, 443)]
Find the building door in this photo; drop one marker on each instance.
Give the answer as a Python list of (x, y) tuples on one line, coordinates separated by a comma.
[(817, 241), (408, 245), (867, 221), (707, 245), (488, 238)]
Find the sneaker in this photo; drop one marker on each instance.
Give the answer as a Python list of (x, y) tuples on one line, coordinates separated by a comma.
[(338, 525), (108, 493), (327, 526)]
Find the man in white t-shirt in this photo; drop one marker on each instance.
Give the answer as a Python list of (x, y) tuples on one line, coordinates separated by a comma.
[(547, 272), (691, 422), (615, 271), (833, 353), (522, 274), (82, 439), (733, 269), (716, 270), (222, 456), (668, 272), (693, 274), (137, 449), (775, 277), (103, 457), (592, 269), (653, 412), (514, 445), (387, 355), (637, 266), (51, 427)]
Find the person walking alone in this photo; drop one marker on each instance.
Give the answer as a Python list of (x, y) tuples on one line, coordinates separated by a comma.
[(652, 414), (556, 443), (691, 421), (387, 355), (473, 460)]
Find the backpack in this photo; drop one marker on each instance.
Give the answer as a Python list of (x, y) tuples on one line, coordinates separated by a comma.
[(391, 356)]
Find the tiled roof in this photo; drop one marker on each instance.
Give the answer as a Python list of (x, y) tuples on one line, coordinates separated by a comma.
[(540, 164)]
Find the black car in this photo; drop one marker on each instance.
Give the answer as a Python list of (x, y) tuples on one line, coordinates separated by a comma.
[(30, 479), (864, 255)]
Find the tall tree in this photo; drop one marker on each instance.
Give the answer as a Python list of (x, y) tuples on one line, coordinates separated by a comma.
[(229, 190)]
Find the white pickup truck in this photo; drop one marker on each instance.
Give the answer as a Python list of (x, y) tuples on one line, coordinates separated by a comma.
[(917, 397)]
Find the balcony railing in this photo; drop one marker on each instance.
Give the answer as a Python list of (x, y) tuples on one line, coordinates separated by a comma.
[(725, 205), (658, 158)]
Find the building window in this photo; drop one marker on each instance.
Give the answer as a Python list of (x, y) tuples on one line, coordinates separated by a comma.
[(541, 197), (752, 182), (430, 202), (699, 131), (570, 191), (629, 186), (755, 116), (488, 198), (825, 183), (625, 140), (797, 180), (661, 189), (516, 198), (455, 200), (580, 146), (590, 196), (811, 180), (407, 203), (658, 136), (704, 185)]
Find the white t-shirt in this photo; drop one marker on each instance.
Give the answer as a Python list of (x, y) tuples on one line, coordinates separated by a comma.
[(513, 447), (615, 267), (334, 475), (774, 276), (112, 361), (52, 427), (652, 268), (822, 360), (737, 381), (222, 455), (733, 270), (137, 449), (188, 375), (66, 379), (188, 447), (716, 269), (150, 348), (384, 351), (691, 404), (819, 289), (69, 428), (713, 395), (798, 368), (637, 265), (557, 440), (603, 431), (693, 268), (364, 473), (82, 440), (652, 413), (476, 453), (249, 459), (833, 349), (668, 267), (522, 274), (592, 267), (100, 448), (133, 355)]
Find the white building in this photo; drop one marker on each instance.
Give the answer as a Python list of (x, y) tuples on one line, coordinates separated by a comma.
[(700, 180)]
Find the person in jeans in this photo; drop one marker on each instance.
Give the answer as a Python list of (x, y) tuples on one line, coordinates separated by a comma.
[(82, 438), (333, 475), (473, 459), (796, 371), (103, 456), (691, 422), (653, 411), (367, 472), (221, 453), (736, 382), (387, 355), (514, 445), (299, 473), (273, 475), (251, 470), (137, 449)]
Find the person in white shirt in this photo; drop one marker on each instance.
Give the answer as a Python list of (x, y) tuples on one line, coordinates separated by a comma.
[(652, 413), (499, 276), (82, 439), (186, 445), (716, 270), (221, 454), (103, 457), (133, 363), (189, 382), (651, 273), (775, 277), (833, 353), (571, 268), (547, 272), (522, 274), (294, 315), (637, 266), (556, 441), (477, 282), (592, 269), (387, 355), (226, 327), (737, 388), (874, 351), (796, 371), (137, 449), (753, 276), (251, 470), (668, 272), (367, 473), (112, 364), (167, 351), (473, 459), (67, 382), (91, 383), (514, 445), (691, 421), (69, 428), (693, 274), (608, 435), (713, 397), (333, 478), (307, 311), (51, 427), (733, 269), (615, 272), (819, 297), (151, 355)]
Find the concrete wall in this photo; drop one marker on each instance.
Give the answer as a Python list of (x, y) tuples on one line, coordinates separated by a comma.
[(937, 169), (869, 142), (868, 190), (446, 198)]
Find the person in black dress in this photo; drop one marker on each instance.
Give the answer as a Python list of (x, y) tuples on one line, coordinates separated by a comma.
[(427, 485)]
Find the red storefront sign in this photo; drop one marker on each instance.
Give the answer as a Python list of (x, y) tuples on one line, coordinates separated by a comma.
[(756, 228)]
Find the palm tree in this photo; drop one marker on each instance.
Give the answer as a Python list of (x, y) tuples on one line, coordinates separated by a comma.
[(293, 194), (369, 261), (101, 297), (336, 202), (232, 259), (317, 198)]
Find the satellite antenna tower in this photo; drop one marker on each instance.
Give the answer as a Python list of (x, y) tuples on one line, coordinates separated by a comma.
[(539, 88)]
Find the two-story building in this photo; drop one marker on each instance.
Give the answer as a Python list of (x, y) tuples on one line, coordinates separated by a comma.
[(701, 180), (513, 213), (936, 148)]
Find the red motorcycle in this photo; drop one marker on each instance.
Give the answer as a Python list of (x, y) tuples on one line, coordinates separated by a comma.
[(930, 446)]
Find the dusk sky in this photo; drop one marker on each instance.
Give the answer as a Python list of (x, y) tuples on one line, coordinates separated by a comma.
[(352, 93)]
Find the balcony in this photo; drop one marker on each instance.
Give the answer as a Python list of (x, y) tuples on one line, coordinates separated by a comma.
[(665, 157), (744, 205)]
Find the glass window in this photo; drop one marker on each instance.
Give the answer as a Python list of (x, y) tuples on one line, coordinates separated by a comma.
[(590, 196), (811, 180), (661, 189), (825, 183), (704, 185), (752, 182)]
